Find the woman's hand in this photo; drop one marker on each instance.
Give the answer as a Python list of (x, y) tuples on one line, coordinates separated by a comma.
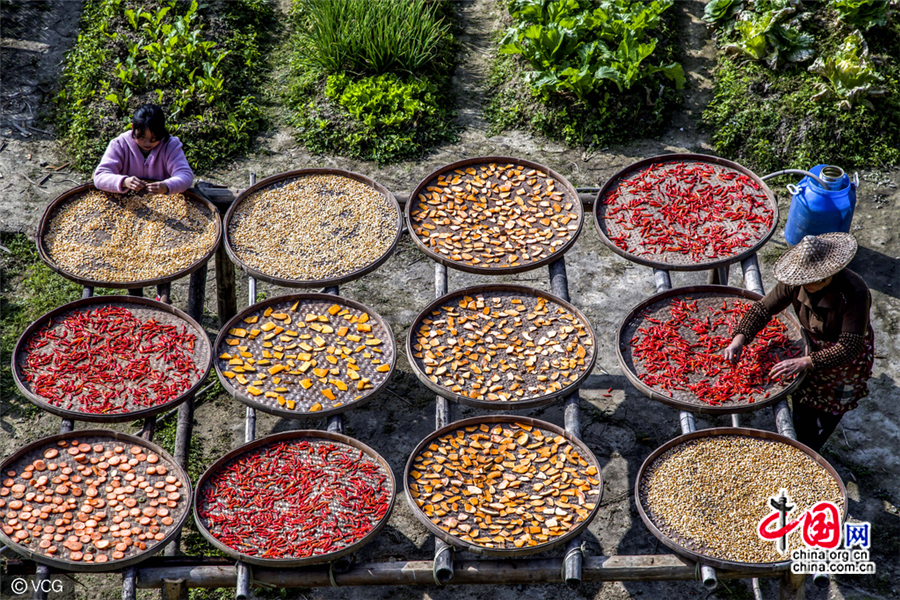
[(133, 183), (157, 187), (735, 348), (791, 366)]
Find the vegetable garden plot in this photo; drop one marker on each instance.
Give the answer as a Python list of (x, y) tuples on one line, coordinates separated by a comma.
[(799, 84), (201, 62), (591, 72)]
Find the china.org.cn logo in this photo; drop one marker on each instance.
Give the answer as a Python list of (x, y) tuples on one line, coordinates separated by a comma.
[(821, 532)]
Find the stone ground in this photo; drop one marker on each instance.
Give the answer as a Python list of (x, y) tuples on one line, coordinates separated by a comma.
[(621, 430)]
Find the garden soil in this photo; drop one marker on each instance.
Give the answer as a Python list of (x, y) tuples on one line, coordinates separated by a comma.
[(619, 424)]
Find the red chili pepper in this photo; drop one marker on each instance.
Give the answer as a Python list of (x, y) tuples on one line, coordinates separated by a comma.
[(98, 368), (669, 358), (691, 209), (295, 499)]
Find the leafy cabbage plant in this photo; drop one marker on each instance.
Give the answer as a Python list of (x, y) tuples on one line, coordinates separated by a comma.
[(772, 36), (576, 46), (851, 76), (863, 13), (720, 10)]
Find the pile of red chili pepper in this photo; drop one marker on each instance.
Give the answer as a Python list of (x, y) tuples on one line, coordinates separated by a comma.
[(295, 499), (684, 353), (106, 360), (692, 208)]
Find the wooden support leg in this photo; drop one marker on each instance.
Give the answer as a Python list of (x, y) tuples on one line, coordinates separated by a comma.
[(793, 587), (226, 294), (164, 291), (174, 589), (244, 576), (197, 294), (719, 276), (129, 583), (149, 427), (41, 574), (182, 447)]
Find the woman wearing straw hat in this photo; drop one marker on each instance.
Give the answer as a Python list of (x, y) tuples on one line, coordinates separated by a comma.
[(832, 304)]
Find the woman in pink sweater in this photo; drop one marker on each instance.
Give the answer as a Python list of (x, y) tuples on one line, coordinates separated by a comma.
[(146, 151)]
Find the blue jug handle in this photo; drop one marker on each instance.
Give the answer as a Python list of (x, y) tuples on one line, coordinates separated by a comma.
[(854, 183)]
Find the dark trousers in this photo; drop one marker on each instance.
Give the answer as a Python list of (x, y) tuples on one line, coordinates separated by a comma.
[(813, 426)]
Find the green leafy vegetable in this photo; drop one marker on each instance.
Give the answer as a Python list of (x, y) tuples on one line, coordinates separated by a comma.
[(370, 77), (597, 72), (719, 10), (378, 118), (164, 52), (579, 47), (370, 37), (851, 76), (862, 13), (772, 36)]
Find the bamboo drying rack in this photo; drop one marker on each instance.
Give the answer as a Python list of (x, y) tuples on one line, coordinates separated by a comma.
[(174, 575)]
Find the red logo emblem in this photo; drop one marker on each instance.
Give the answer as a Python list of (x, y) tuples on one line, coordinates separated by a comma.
[(821, 524)]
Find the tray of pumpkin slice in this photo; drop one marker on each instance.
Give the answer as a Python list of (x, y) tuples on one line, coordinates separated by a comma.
[(305, 355)]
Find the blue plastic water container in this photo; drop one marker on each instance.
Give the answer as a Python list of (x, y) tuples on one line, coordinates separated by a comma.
[(816, 210)]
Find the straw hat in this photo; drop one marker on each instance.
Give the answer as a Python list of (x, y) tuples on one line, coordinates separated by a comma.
[(815, 258)]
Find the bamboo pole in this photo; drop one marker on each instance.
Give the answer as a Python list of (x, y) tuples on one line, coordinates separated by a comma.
[(442, 567), (665, 567)]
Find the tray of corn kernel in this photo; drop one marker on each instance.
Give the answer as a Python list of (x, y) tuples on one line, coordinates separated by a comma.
[(312, 228), (501, 346), (494, 215), (305, 355), (503, 485), (129, 240), (704, 494)]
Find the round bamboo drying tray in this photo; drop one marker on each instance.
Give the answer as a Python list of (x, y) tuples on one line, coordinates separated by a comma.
[(700, 556), (504, 420), (310, 396), (280, 180), (74, 194), (258, 446), (109, 439), (142, 308), (676, 261), (569, 196), (503, 291), (685, 400)]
